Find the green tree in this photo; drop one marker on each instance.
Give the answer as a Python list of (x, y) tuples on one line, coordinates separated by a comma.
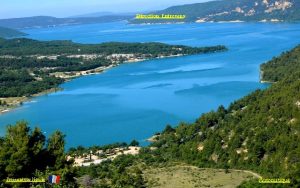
[(168, 129), (56, 150), (134, 143), (23, 154), (15, 151)]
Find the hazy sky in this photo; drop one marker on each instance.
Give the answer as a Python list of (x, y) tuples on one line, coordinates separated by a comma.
[(63, 8)]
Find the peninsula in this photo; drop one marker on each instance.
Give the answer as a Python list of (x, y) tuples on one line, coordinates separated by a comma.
[(30, 67)]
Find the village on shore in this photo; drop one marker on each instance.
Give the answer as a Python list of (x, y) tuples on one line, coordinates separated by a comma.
[(100, 156)]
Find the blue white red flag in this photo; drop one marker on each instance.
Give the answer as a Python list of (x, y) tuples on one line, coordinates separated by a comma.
[(54, 179)]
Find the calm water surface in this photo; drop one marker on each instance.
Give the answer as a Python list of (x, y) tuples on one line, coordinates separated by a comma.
[(133, 101)]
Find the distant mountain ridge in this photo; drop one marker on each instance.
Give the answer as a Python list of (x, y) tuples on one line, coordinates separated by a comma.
[(99, 14), (48, 21), (235, 10), (93, 14), (213, 11)]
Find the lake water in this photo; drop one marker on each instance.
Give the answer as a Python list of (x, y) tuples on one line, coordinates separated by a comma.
[(133, 101)]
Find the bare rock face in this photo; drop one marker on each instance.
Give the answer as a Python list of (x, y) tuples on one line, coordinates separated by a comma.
[(259, 10), (278, 5), (237, 11)]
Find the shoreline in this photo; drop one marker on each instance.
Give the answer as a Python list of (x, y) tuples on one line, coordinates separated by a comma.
[(20, 100), (266, 82), (261, 74), (68, 76), (220, 22), (153, 138)]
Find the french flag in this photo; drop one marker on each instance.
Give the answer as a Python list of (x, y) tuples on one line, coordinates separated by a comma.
[(54, 179)]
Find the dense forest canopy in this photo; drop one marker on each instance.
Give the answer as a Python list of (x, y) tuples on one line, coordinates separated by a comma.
[(282, 66), (23, 46), (27, 153)]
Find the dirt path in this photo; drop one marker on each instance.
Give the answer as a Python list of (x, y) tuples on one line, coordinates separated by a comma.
[(236, 170)]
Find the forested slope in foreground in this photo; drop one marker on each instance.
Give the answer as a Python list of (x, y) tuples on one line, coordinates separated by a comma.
[(259, 132)]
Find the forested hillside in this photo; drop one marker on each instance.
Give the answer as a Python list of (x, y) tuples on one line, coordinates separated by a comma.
[(23, 46), (233, 10), (8, 33), (280, 67), (259, 132)]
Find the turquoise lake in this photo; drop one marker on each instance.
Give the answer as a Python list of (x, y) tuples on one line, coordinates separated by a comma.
[(134, 101)]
